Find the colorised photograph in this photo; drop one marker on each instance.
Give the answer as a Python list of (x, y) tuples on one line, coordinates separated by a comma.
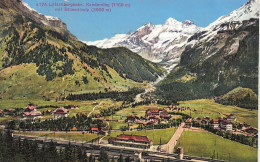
[(129, 80)]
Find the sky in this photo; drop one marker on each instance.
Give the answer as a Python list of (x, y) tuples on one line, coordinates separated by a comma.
[(92, 26)]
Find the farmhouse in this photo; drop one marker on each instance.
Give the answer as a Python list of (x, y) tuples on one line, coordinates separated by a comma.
[(132, 119), (156, 114), (30, 108), (226, 125), (229, 116), (131, 141), (188, 123), (32, 114), (214, 123), (60, 113), (94, 130)]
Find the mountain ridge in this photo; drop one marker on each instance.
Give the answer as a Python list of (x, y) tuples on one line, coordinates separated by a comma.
[(41, 60), (157, 43), (218, 60)]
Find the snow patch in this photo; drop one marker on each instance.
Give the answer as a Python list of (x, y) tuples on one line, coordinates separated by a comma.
[(27, 6)]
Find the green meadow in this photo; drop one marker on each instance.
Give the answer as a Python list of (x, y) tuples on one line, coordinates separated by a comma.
[(205, 144)]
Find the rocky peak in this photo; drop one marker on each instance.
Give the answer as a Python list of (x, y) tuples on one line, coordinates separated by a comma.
[(171, 21), (188, 22), (24, 9)]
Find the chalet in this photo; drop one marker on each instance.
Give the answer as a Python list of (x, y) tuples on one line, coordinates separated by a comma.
[(226, 125), (73, 106), (132, 119), (30, 108), (94, 130), (142, 142), (60, 113), (156, 114), (188, 123), (214, 123), (32, 114)]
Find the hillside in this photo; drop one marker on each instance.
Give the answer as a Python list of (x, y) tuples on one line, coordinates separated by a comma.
[(241, 97), (220, 58), (40, 58)]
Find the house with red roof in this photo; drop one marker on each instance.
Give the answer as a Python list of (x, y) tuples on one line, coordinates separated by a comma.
[(135, 141), (30, 108), (60, 113), (94, 130), (229, 115), (214, 123), (32, 114), (1, 112), (156, 114)]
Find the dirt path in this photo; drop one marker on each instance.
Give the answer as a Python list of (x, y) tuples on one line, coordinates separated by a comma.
[(169, 147), (94, 108)]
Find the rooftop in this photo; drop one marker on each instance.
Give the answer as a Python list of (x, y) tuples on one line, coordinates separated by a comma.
[(133, 137), (61, 110)]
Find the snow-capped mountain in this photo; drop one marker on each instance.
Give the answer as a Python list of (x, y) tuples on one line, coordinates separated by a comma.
[(218, 59), (232, 21), (154, 42)]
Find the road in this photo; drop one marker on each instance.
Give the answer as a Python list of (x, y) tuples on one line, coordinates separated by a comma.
[(169, 147), (149, 88), (94, 108)]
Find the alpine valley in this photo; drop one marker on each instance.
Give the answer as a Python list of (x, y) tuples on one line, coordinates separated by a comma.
[(206, 62), (169, 92)]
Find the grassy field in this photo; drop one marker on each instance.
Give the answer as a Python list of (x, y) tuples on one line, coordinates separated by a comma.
[(70, 135), (203, 144), (154, 135), (138, 111), (85, 107), (207, 107), (117, 125), (23, 82)]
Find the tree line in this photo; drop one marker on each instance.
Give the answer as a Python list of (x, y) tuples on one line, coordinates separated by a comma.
[(81, 122), (31, 151), (118, 96)]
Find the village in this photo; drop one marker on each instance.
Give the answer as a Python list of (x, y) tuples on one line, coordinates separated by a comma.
[(153, 118)]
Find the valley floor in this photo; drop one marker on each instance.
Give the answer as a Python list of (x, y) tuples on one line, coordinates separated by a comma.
[(194, 142)]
